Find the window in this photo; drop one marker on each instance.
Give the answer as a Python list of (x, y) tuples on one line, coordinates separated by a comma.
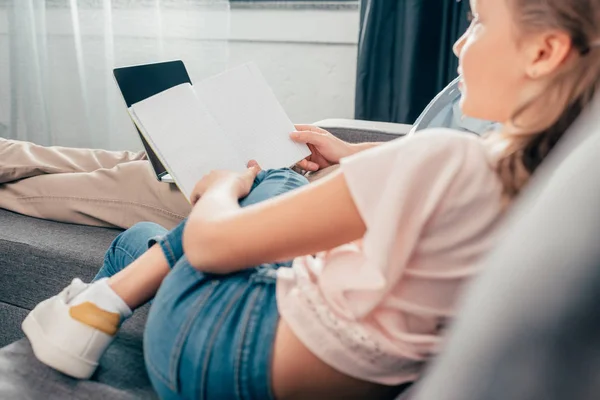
[(294, 1), (333, 4)]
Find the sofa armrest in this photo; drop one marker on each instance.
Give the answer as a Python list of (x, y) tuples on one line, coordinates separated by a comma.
[(357, 131)]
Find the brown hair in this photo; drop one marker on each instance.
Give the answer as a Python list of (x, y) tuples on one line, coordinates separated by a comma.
[(566, 95)]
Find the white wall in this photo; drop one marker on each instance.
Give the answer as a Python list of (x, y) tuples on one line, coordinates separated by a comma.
[(4, 85), (308, 56)]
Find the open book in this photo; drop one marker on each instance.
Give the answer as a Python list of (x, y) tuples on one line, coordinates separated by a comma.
[(220, 123)]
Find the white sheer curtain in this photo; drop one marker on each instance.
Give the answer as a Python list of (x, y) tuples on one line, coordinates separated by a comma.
[(57, 56)]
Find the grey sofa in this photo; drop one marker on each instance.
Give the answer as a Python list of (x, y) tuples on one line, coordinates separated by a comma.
[(38, 258)]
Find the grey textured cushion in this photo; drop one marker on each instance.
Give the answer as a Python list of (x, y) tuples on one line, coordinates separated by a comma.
[(11, 317), (351, 135)]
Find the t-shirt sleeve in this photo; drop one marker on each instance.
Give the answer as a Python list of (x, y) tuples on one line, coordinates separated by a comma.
[(397, 188), (412, 169)]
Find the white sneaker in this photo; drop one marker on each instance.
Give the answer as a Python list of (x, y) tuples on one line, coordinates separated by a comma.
[(70, 339)]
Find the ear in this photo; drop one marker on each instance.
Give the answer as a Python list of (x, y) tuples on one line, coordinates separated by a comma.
[(546, 52)]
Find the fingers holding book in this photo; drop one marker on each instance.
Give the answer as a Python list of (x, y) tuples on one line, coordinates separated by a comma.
[(326, 149)]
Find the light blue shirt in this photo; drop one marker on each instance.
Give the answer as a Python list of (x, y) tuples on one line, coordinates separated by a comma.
[(444, 112)]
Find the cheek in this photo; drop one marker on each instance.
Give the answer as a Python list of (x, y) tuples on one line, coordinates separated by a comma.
[(489, 86)]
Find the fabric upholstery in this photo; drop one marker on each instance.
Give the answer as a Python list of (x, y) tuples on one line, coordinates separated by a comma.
[(38, 258), (360, 135), (11, 317)]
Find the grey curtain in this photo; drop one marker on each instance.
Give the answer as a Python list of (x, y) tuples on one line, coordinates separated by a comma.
[(405, 55)]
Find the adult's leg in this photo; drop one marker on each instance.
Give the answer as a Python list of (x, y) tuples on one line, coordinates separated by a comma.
[(116, 197), (20, 160), (146, 269), (85, 186)]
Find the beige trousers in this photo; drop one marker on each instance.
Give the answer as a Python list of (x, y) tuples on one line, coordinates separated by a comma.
[(86, 187), (89, 187)]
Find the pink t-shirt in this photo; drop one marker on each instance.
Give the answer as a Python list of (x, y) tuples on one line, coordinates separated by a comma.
[(375, 309)]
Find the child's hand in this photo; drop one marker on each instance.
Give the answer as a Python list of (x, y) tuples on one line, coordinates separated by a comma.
[(326, 149), (239, 183)]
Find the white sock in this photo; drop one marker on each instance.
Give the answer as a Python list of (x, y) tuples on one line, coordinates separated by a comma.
[(102, 295)]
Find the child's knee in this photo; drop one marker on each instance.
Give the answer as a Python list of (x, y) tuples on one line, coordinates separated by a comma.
[(138, 234), (144, 231), (285, 178), (143, 228), (132, 243)]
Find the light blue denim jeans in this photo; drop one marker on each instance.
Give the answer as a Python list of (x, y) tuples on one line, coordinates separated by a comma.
[(208, 336)]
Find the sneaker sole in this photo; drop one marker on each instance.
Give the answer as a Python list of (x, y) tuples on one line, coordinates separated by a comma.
[(54, 356)]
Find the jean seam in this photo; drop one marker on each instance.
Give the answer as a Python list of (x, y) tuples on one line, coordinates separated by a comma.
[(107, 257), (177, 346), (285, 185), (237, 377), (171, 256), (268, 380), (102, 201), (268, 377), (266, 282), (212, 339), (105, 262), (126, 252), (283, 188), (159, 375)]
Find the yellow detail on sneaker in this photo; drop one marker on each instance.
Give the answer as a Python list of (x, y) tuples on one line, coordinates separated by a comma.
[(90, 314)]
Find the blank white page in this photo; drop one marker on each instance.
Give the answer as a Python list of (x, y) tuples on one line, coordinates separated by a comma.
[(243, 104), (186, 138)]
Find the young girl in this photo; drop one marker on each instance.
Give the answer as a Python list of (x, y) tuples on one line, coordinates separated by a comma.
[(397, 231)]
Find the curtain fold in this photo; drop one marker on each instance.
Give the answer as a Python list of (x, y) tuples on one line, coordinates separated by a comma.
[(57, 57), (405, 55)]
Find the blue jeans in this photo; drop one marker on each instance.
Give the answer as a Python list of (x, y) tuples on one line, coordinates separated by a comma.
[(208, 336)]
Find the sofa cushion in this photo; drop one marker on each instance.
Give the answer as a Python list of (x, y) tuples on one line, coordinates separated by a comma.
[(11, 317), (39, 258)]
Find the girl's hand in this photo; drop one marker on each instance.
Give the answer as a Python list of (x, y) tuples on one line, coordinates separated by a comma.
[(239, 183), (326, 149)]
